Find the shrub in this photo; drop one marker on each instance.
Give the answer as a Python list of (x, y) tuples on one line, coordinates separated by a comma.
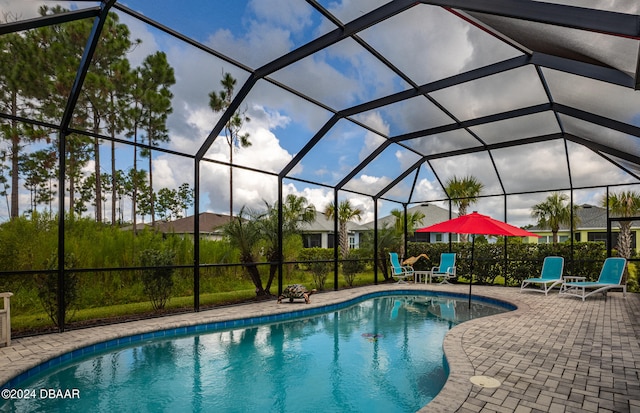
[(318, 264), (47, 285), (157, 281), (524, 260), (351, 266)]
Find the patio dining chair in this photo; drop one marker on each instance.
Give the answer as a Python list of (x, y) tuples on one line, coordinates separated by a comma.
[(399, 272), (447, 267)]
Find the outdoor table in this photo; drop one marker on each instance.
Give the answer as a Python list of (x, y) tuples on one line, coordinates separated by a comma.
[(417, 276), (572, 278), (567, 279)]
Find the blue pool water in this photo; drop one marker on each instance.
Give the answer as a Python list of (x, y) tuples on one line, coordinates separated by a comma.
[(383, 354)]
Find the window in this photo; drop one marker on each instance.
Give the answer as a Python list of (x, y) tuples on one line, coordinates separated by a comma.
[(597, 237), (419, 237), (438, 237), (330, 240), (602, 237), (312, 240)]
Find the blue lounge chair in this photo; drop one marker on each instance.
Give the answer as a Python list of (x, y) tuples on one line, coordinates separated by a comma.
[(610, 278), (399, 272), (550, 276), (447, 267)]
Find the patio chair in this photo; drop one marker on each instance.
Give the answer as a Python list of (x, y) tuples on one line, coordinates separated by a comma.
[(447, 267), (550, 276), (399, 272), (610, 278)]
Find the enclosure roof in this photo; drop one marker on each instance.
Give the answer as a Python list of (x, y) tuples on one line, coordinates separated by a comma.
[(388, 100)]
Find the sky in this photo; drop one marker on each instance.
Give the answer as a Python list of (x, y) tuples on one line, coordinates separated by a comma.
[(427, 43)]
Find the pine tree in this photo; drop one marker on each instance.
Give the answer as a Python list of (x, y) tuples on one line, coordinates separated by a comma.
[(20, 82), (100, 88), (156, 77), (219, 102)]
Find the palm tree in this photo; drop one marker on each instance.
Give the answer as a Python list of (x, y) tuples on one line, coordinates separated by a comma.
[(414, 219), (388, 241), (463, 192), (243, 232), (626, 204), (219, 102), (554, 212), (346, 212), (295, 211)]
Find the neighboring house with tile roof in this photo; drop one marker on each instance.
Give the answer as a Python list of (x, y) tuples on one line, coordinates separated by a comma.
[(320, 233), (592, 226), (433, 214), (210, 226)]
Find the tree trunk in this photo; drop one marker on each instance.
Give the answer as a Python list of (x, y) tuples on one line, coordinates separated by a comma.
[(273, 270), (72, 184), (254, 274), (152, 210), (134, 195), (114, 192), (344, 240), (624, 247), (624, 240), (96, 154), (231, 179), (383, 261), (15, 157)]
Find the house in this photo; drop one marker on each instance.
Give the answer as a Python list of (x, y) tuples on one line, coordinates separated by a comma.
[(320, 233), (591, 226), (433, 214), (210, 226)]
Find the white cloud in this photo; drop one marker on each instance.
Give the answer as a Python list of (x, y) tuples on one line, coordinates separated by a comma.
[(373, 140), (296, 18)]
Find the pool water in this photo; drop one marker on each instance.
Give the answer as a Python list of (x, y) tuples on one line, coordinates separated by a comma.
[(383, 354)]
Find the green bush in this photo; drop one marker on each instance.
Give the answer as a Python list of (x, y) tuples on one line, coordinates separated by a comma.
[(157, 282), (352, 265), (47, 285), (318, 264), (523, 260)]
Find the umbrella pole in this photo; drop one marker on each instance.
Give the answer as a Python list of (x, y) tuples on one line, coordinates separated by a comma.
[(473, 244)]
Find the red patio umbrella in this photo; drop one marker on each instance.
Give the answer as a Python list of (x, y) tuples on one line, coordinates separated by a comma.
[(475, 223)]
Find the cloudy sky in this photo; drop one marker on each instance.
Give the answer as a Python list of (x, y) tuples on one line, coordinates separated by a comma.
[(427, 44)]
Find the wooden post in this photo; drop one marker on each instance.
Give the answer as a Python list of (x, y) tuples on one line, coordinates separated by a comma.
[(5, 319)]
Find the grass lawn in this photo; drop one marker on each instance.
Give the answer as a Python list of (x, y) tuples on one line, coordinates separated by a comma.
[(39, 322)]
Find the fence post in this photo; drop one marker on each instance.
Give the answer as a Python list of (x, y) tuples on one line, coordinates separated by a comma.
[(5, 319)]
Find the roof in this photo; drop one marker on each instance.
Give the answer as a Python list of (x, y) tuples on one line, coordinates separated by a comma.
[(433, 214), (209, 222), (324, 224)]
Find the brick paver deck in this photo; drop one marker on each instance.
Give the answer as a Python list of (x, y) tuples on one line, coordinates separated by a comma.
[(553, 354)]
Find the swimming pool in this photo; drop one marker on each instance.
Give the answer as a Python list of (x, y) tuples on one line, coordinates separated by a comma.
[(381, 353)]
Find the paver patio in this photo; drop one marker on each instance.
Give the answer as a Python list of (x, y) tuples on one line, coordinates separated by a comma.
[(552, 354)]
